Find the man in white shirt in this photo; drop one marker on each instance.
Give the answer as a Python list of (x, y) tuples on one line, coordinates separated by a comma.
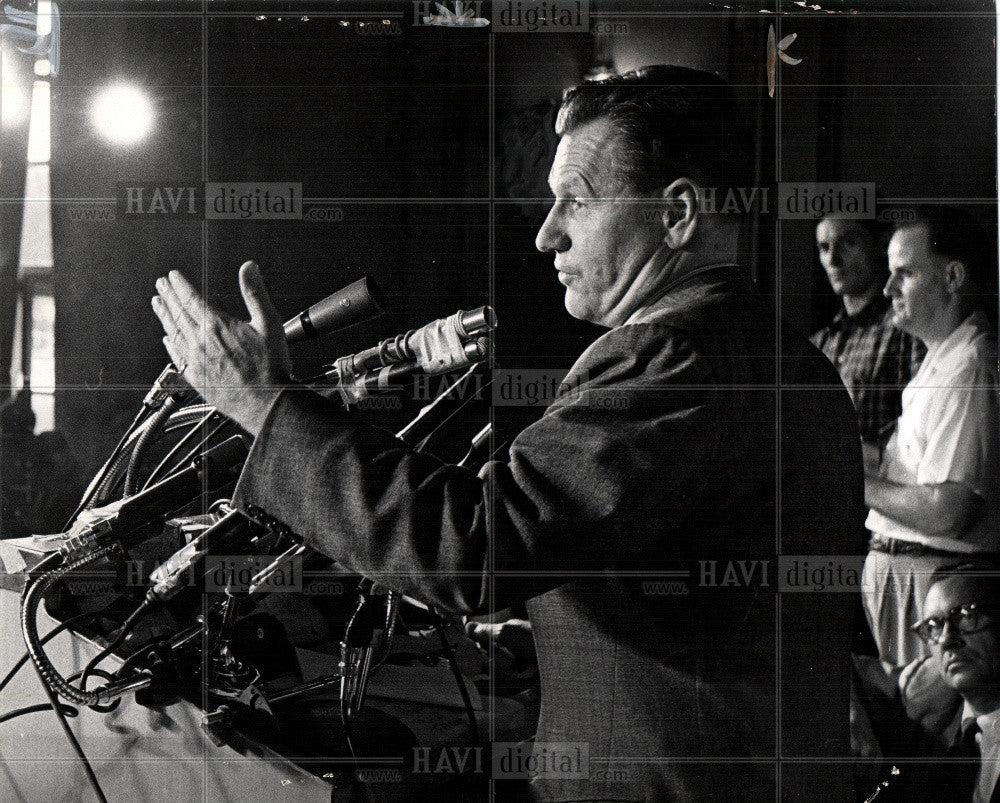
[(942, 464)]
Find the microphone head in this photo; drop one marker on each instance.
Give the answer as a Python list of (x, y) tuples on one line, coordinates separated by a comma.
[(483, 319), (476, 349), (353, 304)]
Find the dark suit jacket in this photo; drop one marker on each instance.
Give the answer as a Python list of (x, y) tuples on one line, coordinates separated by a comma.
[(916, 718), (689, 440), (923, 775)]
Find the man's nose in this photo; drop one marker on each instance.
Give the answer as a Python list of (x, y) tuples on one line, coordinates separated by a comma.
[(891, 287), (951, 636), (552, 235)]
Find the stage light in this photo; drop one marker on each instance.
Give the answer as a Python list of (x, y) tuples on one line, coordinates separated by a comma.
[(123, 114)]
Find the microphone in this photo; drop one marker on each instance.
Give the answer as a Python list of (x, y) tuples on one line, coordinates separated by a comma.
[(432, 415), (182, 568), (354, 387), (353, 304), (123, 520), (429, 346)]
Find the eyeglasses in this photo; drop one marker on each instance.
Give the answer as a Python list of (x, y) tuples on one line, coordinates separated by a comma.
[(968, 618)]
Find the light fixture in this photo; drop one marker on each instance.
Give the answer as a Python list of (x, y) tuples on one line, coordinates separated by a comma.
[(123, 113)]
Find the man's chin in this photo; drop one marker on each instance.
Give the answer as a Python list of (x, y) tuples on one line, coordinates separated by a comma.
[(900, 321), (962, 675), (578, 307)]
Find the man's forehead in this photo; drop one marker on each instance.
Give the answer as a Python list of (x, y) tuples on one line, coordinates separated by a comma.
[(951, 591), (838, 227), (912, 241), (584, 152)]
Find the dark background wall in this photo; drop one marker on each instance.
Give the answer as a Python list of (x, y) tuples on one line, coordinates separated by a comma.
[(399, 131), (907, 102), (107, 342), (394, 130)]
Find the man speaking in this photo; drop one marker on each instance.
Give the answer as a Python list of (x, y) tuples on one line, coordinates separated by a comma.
[(729, 442)]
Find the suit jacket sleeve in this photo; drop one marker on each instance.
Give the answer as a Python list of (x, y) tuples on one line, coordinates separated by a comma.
[(602, 478)]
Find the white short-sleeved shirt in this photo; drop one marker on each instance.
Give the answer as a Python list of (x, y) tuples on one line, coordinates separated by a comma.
[(949, 431)]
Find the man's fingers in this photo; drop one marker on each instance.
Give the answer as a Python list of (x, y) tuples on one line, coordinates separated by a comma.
[(264, 319), (177, 356), (482, 632), (170, 327), (163, 313), (263, 315), (190, 298), (180, 307)]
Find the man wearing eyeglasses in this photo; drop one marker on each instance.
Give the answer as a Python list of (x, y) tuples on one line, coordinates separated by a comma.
[(961, 628)]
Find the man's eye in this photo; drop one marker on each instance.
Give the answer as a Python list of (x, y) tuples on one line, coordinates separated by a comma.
[(973, 616)]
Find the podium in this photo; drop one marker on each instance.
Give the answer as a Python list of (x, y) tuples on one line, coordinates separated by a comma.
[(163, 753), (137, 753)]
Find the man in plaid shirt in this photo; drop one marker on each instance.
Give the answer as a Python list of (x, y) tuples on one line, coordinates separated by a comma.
[(875, 359)]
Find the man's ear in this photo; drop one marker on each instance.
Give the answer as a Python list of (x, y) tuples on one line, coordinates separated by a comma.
[(955, 275), (680, 217)]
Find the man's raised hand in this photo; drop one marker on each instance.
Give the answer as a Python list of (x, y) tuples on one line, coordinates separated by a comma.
[(238, 366)]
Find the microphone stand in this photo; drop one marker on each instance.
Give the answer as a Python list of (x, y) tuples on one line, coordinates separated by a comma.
[(166, 392)]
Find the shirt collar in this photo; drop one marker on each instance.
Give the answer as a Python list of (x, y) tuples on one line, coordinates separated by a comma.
[(962, 334), (989, 724), (871, 312)]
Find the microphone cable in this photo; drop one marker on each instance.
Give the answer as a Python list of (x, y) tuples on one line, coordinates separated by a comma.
[(199, 426), (113, 645), (61, 710), (64, 724), (453, 662), (45, 640), (68, 710), (151, 431), (95, 483)]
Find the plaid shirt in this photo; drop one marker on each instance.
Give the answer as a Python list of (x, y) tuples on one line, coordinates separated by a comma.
[(875, 360)]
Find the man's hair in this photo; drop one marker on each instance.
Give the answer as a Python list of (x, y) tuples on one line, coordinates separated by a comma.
[(984, 573), (880, 231), (671, 122), (953, 234)]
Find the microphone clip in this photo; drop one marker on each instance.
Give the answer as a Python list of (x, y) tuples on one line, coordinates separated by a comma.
[(169, 384)]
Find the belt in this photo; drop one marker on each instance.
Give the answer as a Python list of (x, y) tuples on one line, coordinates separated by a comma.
[(914, 549)]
